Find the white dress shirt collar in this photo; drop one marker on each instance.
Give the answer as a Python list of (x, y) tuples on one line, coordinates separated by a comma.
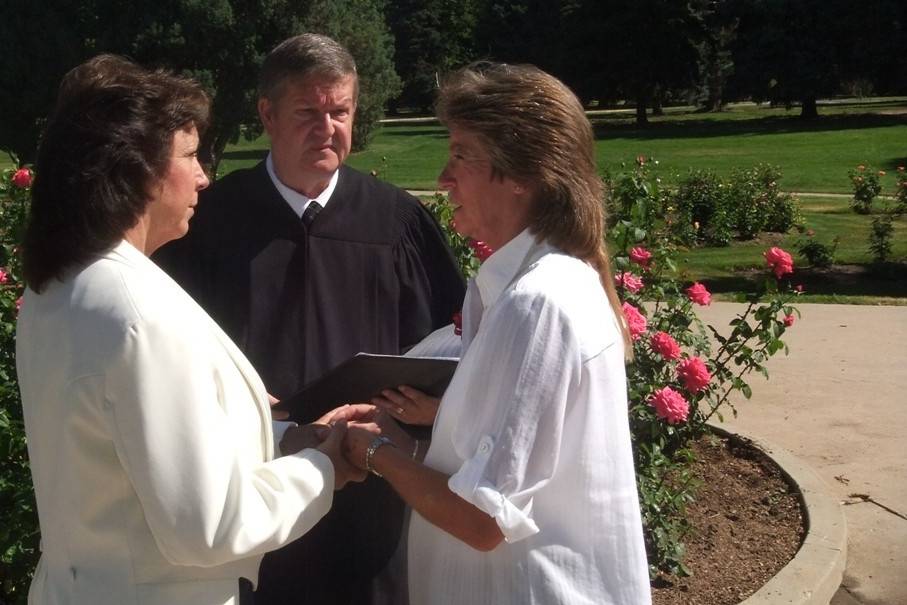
[(508, 262), (297, 201)]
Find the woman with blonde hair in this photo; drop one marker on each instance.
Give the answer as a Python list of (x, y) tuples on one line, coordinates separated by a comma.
[(527, 492)]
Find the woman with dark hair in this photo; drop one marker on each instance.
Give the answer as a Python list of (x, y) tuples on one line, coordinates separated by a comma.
[(152, 450), (527, 491)]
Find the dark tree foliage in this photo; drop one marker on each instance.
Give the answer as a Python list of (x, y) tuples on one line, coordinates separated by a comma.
[(796, 51), (716, 62), (525, 31), (360, 26), (790, 51), (220, 42), (34, 60), (432, 37), (635, 50)]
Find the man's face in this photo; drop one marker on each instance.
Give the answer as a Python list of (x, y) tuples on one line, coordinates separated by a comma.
[(311, 128)]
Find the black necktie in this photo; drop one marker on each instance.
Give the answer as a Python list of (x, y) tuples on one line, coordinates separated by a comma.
[(311, 211)]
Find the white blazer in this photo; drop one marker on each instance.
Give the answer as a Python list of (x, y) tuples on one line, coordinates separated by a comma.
[(151, 444)]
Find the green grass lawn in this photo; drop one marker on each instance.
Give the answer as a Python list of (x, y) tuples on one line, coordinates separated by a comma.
[(738, 267), (815, 155)]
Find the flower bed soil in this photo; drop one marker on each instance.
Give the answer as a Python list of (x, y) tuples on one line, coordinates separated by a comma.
[(747, 525)]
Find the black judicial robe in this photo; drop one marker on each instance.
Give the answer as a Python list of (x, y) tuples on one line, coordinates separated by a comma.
[(372, 273)]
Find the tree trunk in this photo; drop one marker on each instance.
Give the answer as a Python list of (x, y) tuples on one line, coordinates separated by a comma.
[(657, 101), (641, 102), (808, 108)]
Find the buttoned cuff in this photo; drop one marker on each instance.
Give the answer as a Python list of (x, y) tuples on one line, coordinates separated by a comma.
[(468, 483)]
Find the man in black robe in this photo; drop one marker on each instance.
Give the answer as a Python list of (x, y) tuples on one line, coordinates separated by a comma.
[(299, 294)]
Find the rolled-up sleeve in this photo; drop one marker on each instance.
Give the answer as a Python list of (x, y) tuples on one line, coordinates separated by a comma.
[(468, 483), (509, 433)]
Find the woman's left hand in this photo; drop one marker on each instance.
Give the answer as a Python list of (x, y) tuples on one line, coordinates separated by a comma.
[(409, 405)]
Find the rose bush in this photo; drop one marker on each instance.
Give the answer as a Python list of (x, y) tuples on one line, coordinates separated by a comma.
[(866, 187), (19, 529), (683, 373)]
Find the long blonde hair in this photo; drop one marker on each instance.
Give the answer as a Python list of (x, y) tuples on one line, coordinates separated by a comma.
[(535, 131)]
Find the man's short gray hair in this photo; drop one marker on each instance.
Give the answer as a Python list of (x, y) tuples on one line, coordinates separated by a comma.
[(303, 56)]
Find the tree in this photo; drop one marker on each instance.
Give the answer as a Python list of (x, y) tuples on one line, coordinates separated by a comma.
[(434, 37), (32, 67), (716, 62), (360, 26), (635, 49), (523, 31), (221, 43), (790, 51)]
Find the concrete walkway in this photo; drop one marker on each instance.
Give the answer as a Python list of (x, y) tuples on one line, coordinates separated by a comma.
[(839, 403)]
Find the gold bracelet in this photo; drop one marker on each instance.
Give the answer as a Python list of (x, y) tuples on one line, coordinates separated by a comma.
[(372, 448)]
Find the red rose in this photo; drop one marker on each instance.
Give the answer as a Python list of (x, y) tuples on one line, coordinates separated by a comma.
[(788, 320), (663, 344), (22, 178), (458, 323), (693, 373), (779, 261), (699, 295), (481, 249), (640, 256), (636, 321)]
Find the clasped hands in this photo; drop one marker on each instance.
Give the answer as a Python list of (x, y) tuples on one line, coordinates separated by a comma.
[(345, 433)]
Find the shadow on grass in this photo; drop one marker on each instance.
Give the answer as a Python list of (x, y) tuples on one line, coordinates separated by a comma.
[(407, 130), (888, 279), (608, 127), (245, 154)]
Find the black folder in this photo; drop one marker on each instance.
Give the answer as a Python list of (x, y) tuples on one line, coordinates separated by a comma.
[(364, 376)]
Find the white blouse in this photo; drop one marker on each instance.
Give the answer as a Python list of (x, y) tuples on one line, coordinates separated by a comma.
[(533, 430)]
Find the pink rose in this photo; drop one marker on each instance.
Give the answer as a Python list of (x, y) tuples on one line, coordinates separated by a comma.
[(663, 344), (22, 178), (699, 295), (629, 281), (636, 321), (18, 303), (4, 276), (693, 374), (641, 160), (881, 173), (481, 249), (779, 261), (861, 167), (798, 288), (669, 405), (640, 256), (788, 320)]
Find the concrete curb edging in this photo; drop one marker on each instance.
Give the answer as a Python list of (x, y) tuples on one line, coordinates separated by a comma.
[(814, 574)]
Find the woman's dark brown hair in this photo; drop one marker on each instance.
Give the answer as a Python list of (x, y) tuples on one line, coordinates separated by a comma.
[(536, 132), (107, 143)]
